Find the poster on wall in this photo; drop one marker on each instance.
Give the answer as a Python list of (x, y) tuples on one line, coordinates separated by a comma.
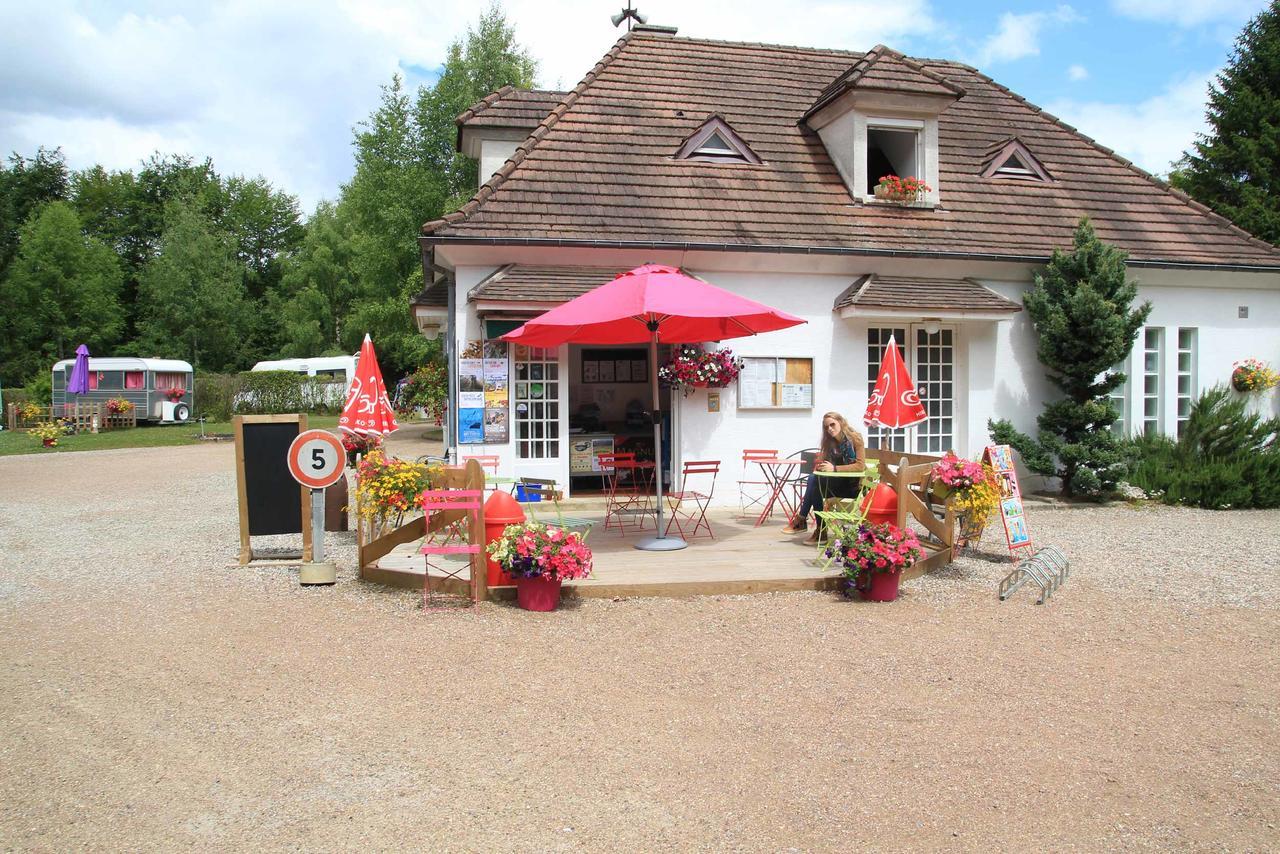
[(1000, 457), (470, 426), (495, 425)]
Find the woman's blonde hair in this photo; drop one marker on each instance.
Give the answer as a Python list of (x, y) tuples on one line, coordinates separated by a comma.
[(847, 430)]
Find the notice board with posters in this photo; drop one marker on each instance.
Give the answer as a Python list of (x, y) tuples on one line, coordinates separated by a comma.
[(484, 404), (775, 382), (271, 501), (1016, 533)]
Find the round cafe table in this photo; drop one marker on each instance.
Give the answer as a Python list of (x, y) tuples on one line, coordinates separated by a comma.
[(777, 473)]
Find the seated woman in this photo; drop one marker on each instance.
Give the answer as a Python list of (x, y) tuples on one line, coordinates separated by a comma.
[(841, 449)]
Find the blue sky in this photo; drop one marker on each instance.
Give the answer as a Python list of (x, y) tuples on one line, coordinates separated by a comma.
[(274, 88)]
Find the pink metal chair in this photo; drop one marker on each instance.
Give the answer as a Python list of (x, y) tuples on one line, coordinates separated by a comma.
[(626, 500), (690, 505), (754, 492), (440, 501)]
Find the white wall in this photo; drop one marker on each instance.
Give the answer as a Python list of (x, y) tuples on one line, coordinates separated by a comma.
[(997, 372)]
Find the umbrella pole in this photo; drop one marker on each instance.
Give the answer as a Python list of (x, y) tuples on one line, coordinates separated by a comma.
[(658, 542)]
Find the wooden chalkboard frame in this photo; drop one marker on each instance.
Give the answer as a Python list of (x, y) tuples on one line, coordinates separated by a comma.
[(246, 548)]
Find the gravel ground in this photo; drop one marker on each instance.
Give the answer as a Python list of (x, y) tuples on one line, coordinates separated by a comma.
[(157, 696)]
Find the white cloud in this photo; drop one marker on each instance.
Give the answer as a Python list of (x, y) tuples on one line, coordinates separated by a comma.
[(1018, 36), (1077, 73), (275, 88), (1189, 13), (1152, 133)]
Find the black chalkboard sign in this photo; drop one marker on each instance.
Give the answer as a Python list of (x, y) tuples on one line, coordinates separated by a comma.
[(271, 501)]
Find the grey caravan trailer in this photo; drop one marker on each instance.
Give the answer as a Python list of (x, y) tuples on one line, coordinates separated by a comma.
[(161, 389)]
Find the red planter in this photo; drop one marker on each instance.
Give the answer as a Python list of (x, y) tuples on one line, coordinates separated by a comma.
[(537, 594), (881, 586)]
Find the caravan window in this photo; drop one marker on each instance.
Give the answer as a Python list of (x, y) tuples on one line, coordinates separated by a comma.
[(171, 379), (110, 380), (337, 375), (134, 379)]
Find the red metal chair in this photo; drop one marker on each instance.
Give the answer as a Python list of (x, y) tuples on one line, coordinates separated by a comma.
[(689, 505), (626, 493), (440, 501), (753, 492)]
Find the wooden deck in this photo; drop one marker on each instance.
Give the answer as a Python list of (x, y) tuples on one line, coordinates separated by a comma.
[(742, 559)]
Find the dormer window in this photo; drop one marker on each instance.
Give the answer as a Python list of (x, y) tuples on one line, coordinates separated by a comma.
[(716, 142), (1011, 159), (894, 147)]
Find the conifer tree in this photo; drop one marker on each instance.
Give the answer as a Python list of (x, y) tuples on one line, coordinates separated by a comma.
[(1081, 309), (1235, 168)]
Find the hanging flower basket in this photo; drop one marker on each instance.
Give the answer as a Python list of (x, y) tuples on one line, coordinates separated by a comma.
[(692, 367), (1252, 375)]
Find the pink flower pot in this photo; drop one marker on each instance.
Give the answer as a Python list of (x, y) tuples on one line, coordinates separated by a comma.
[(882, 586), (537, 594)]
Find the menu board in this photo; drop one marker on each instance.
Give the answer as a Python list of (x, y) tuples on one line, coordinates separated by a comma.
[(775, 382), (1000, 457), (615, 366), (484, 395)]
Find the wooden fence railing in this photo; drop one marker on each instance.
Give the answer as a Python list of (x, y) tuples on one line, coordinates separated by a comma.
[(910, 475), (377, 538), (87, 417)]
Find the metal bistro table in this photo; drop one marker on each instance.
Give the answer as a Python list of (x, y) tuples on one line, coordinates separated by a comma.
[(776, 474)]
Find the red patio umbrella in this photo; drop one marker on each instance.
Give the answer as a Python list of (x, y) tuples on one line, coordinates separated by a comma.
[(368, 409), (652, 304), (894, 402)]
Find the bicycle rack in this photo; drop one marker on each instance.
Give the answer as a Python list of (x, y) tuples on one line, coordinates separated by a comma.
[(1048, 569)]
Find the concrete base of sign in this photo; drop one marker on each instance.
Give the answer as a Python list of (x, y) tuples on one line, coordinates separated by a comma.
[(318, 573)]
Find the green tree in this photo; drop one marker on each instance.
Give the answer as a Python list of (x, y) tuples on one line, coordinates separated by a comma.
[(192, 294), (26, 184), (488, 59), (318, 286), (61, 290), (1080, 307), (1235, 167)]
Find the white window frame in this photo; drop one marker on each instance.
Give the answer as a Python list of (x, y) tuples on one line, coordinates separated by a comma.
[(1188, 397), (909, 439), (1152, 423), (552, 438), (893, 124)]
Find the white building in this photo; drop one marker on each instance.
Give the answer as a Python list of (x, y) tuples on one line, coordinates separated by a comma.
[(753, 167)]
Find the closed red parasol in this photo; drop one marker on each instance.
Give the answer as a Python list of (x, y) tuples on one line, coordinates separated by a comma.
[(368, 409), (894, 403)]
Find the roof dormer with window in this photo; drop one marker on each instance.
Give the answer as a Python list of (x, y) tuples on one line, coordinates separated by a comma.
[(881, 118)]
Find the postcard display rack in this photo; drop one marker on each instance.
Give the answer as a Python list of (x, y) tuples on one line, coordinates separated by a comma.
[(1016, 533), (484, 404)]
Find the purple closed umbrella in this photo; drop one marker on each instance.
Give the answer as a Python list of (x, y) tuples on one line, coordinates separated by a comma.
[(79, 381)]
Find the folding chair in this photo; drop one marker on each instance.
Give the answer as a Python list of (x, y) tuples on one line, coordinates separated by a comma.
[(539, 491), (440, 501), (753, 492), (677, 502), (623, 498)]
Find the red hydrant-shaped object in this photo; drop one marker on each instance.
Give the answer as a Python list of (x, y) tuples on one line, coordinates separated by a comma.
[(881, 505), (500, 511)]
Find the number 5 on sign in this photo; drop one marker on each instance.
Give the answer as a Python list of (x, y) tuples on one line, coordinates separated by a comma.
[(316, 459)]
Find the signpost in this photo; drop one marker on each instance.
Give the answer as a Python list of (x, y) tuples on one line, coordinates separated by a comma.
[(316, 460)]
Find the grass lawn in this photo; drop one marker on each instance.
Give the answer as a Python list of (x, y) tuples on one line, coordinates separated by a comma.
[(152, 436)]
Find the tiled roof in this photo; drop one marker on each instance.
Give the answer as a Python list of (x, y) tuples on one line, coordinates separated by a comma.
[(598, 169), (902, 293), (521, 283), (887, 70), (435, 295), (511, 107)]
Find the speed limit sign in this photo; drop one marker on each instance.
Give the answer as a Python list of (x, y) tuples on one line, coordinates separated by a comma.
[(316, 459)]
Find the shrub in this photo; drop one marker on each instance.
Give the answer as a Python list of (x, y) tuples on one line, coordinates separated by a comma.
[(270, 392), (215, 395), (1226, 457)]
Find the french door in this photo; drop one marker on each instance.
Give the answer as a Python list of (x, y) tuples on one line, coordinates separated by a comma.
[(539, 417), (930, 356)]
